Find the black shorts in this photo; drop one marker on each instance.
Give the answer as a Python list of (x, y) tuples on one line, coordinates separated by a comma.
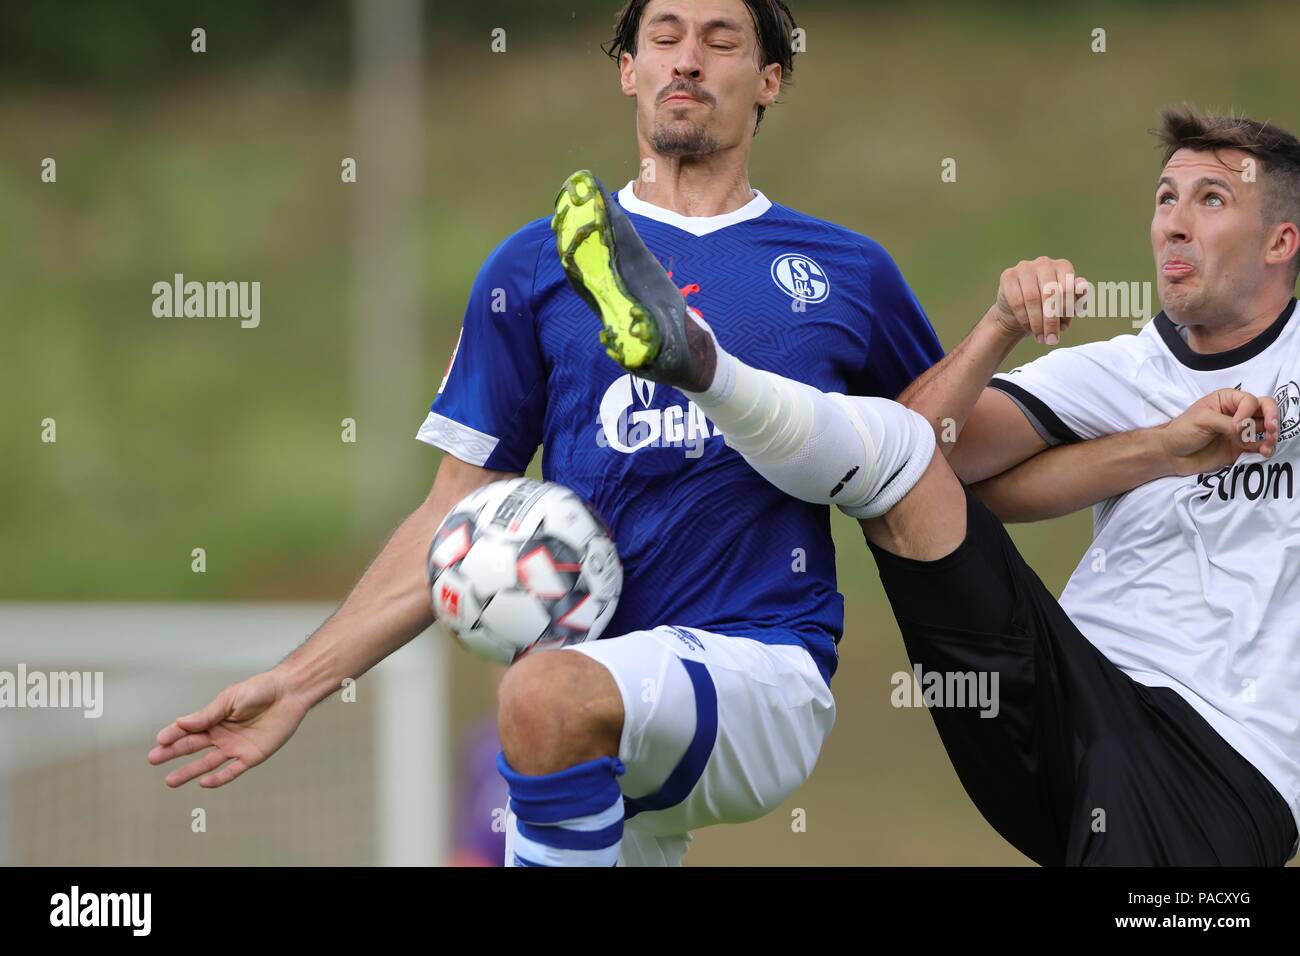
[(1081, 765)]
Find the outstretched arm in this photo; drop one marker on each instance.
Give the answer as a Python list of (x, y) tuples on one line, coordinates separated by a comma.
[(247, 722), (390, 604)]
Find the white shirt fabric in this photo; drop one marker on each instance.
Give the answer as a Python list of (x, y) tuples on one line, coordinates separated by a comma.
[(1190, 583)]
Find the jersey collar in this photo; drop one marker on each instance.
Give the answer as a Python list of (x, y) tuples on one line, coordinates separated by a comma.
[(695, 225), (1210, 361)]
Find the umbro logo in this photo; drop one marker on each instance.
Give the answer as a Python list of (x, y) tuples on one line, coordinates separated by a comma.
[(686, 637)]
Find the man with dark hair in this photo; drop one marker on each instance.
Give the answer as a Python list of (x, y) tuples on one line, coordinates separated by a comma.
[(1153, 715), (1267, 149), (712, 700), (773, 25)]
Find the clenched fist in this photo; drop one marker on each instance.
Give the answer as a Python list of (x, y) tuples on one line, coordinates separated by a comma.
[(1039, 298), (1220, 428)]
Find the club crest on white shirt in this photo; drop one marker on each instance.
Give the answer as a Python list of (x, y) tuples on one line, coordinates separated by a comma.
[(1288, 406)]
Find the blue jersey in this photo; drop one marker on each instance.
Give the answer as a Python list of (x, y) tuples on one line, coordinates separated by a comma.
[(705, 541)]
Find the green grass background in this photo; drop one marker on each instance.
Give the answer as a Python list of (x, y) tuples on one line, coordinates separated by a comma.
[(174, 433)]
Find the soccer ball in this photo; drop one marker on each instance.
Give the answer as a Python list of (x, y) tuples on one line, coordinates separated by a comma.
[(520, 564)]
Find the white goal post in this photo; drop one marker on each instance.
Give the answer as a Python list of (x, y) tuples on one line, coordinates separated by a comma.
[(363, 782)]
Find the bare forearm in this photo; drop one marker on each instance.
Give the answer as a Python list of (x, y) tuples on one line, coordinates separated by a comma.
[(390, 604), (387, 607), (947, 392), (1069, 478)]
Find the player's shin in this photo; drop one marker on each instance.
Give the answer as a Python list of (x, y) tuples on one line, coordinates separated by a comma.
[(860, 453), (570, 818)]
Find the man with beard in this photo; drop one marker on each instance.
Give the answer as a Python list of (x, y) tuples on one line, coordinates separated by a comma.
[(710, 700)]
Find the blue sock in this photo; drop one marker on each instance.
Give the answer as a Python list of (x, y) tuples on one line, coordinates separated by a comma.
[(570, 818)]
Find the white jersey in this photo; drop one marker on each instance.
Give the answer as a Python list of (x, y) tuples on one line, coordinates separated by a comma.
[(1190, 583)]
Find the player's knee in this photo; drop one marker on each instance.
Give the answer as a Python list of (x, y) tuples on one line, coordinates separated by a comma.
[(556, 709)]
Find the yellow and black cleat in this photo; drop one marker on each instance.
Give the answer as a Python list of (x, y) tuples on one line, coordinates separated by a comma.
[(647, 329)]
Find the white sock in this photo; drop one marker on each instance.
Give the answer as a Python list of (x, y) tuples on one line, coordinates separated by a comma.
[(905, 445), (860, 453)]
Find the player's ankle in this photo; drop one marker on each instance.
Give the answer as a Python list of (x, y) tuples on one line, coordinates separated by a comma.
[(704, 350), (717, 368)]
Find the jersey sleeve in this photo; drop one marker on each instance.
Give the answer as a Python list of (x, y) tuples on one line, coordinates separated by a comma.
[(1078, 393), (491, 405), (903, 343)]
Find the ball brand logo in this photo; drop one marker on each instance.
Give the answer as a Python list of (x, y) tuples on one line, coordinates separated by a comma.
[(450, 601), (629, 422), (515, 505), (1288, 406), (800, 278)]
